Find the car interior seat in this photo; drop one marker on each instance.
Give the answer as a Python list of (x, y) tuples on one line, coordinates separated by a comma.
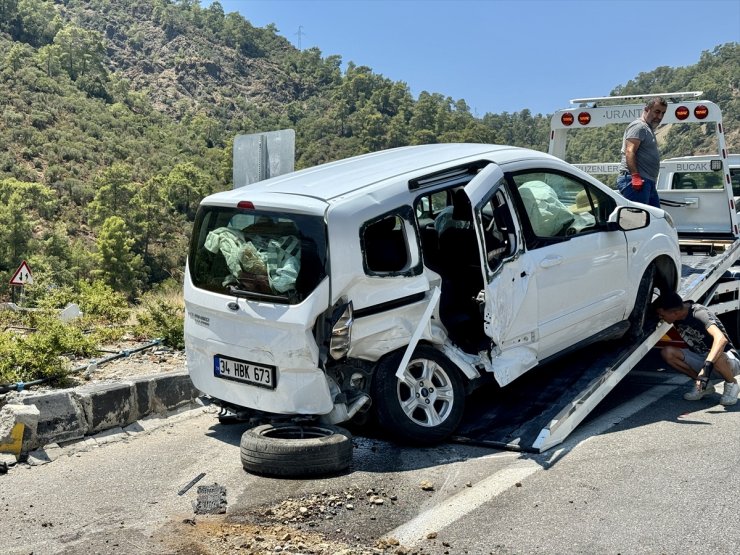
[(687, 183), (462, 279)]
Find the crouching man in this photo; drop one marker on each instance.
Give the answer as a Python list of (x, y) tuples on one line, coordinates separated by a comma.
[(709, 347)]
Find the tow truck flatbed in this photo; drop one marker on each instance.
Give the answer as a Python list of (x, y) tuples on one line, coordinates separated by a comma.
[(540, 409)]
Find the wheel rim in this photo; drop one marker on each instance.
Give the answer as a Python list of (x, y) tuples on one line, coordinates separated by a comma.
[(425, 393)]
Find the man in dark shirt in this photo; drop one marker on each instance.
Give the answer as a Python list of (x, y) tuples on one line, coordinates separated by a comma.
[(709, 347)]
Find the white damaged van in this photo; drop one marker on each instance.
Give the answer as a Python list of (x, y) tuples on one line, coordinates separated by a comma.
[(401, 280)]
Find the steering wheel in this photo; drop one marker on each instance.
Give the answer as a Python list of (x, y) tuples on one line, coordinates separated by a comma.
[(566, 226)]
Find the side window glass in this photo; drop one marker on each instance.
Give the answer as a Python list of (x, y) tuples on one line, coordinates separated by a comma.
[(440, 200), (735, 178), (428, 207), (384, 245), (558, 206), (697, 180)]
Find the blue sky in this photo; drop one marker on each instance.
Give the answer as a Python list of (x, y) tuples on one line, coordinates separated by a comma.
[(504, 55)]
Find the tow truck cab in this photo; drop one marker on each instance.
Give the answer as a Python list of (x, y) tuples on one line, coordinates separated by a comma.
[(697, 184)]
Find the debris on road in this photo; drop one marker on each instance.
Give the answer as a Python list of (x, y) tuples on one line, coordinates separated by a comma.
[(426, 485), (211, 500)]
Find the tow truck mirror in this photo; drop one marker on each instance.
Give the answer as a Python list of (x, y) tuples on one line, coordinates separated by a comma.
[(629, 219)]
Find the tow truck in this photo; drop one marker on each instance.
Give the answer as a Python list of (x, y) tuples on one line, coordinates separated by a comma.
[(695, 177), (538, 413)]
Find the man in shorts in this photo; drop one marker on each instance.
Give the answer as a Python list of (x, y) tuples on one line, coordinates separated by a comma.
[(709, 347)]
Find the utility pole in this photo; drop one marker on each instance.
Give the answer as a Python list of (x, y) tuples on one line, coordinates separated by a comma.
[(300, 34)]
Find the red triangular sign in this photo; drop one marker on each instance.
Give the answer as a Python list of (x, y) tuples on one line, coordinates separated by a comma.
[(22, 275)]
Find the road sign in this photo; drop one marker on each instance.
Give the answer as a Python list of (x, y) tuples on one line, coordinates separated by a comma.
[(22, 275), (263, 155)]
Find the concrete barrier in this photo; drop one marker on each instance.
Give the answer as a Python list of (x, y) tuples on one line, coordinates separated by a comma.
[(71, 414), (16, 418), (107, 405), (61, 418)]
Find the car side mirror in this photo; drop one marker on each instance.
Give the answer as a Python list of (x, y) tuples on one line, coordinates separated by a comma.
[(629, 219)]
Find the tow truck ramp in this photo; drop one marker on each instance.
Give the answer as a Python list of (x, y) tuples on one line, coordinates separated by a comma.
[(539, 410)]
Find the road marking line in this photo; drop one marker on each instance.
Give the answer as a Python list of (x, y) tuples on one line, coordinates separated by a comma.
[(454, 508), (459, 505), (614, 416), (627, 409)]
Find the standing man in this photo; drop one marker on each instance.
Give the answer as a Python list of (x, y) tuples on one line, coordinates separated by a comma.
[(638, 169), (709, 348)]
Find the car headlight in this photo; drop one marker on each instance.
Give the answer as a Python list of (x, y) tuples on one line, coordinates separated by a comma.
[(669, 219), (341, 331)]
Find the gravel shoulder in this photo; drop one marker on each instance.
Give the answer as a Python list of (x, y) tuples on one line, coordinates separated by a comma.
[(125, 360)]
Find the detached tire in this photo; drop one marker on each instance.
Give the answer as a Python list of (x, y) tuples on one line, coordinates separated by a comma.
[(291, 450)]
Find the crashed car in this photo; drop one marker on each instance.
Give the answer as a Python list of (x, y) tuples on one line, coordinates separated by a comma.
[(398, 281)]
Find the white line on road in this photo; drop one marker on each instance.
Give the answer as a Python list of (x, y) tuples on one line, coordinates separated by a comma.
[(459, 505), (620, 412)]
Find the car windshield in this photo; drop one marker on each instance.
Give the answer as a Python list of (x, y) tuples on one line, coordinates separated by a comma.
[(257, 254)]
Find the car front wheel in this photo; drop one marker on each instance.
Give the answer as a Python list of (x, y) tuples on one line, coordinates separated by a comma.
[(642, 305)]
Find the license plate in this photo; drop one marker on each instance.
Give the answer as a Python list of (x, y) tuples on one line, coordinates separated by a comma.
[(261, 375)]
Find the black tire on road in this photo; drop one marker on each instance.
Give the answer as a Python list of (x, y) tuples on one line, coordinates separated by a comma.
[(427, 405), (292, 450)]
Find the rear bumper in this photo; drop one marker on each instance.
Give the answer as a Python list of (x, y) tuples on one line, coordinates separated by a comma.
[(300, 389)]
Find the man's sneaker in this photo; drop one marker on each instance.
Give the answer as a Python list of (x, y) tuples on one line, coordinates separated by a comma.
[(696, 394), (729, 397)]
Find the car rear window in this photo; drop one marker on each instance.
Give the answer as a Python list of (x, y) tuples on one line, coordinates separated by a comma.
[(258, 254), (697, 180)]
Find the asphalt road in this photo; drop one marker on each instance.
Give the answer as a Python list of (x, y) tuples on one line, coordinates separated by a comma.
[(647, 473)]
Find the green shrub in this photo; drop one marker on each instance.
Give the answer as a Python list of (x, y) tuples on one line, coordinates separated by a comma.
[(45, 352), (100, 302), (8, 358), (97, 301), (58, 298), (162, 315)]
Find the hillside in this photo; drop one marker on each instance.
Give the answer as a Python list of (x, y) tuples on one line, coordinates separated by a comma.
[(117, 117)]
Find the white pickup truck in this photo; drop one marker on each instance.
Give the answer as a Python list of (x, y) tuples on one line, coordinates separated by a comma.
[(694, 186)]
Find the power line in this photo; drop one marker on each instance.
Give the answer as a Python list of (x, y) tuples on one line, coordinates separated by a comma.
[(300, 34)]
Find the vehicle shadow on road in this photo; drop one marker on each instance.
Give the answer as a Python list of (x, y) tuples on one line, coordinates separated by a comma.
[(373, 451), (665, 389), (228, 433)]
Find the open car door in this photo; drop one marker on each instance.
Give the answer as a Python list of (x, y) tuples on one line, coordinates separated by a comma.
[(510, 304)]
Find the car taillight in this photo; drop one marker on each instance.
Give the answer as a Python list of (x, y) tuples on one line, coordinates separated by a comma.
[(567, 118), (245, 205), (584, 118)]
